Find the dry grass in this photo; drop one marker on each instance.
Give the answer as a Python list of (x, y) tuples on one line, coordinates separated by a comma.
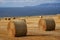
[(38, 38), (54, 35)]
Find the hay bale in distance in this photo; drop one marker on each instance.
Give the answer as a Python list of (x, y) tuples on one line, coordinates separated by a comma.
[(47, 24)]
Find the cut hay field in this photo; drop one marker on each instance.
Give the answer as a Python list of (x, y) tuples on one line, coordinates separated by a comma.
[(32, 23), (53, 35)]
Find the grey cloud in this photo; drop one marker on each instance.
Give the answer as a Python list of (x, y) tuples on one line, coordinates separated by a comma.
[(26, 2)]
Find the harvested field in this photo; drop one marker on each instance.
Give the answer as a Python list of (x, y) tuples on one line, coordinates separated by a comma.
[(32, 22), (53, 35), (38, 38)]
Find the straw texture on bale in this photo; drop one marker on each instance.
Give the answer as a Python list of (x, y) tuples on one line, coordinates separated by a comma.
[(20, 27), (7, 29), (47, 24)]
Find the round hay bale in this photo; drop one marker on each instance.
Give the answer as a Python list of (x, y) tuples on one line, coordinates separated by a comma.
[(9, 18), (5, 18), (14, 18), (20, 27), (47, 24), (7, 28)]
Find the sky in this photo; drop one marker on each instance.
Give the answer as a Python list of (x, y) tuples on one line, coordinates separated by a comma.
[(23, 3)]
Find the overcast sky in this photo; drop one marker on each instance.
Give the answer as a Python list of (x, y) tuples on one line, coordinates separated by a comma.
[(22, 3)]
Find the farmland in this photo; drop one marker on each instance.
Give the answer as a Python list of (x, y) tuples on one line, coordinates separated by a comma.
[(32, 25)]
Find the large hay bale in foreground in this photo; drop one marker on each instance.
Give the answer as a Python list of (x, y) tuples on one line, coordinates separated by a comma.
[(47, 24), (7, 29), (20, 28)]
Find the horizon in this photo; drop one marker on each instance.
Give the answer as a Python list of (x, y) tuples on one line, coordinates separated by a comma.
[(41, 7)]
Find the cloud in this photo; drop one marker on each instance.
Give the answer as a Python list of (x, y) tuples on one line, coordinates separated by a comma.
[(30, 1), (2, 1), (20, 3)]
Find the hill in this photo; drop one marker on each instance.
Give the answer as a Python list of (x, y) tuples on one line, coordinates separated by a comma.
[(42, 9)]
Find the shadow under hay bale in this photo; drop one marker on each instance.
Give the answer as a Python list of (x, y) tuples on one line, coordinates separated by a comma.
[(20, 28), (47, 24)]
